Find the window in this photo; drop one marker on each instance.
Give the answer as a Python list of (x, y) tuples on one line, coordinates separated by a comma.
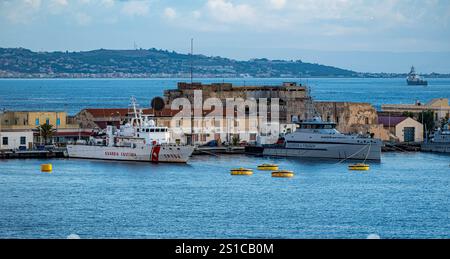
[(58, 121), (47, 121), (37, 122), (23, 140), (5, 141)]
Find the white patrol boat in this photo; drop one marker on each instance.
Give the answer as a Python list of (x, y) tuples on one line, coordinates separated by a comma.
[(317, 139), (138, 140)]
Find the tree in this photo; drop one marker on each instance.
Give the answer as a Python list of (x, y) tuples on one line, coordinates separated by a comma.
[(235, 140), (46, 132), (427, 118), (444, 121), (409, 114)]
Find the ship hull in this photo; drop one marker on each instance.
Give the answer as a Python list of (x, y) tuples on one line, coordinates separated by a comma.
[(156, 154), (328, 150), (436, 147), (417, 82)]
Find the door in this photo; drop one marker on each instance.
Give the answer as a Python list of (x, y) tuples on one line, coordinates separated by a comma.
[(409, 134)]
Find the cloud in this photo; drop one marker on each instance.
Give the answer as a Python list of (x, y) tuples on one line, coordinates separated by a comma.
[(107, 3), (196, 14), (34, 4), (83, 19), (20, 12), (136, 8), (170, 13), (227, 12), (277, 4), (57, 6)]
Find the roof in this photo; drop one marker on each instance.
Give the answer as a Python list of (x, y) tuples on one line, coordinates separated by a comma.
[(112, 112), (73, 134), (391, 120), (438, 102)]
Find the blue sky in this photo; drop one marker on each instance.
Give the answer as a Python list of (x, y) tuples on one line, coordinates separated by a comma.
[(363, 35)]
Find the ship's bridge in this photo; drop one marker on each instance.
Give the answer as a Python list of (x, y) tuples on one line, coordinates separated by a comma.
[(316, 125)]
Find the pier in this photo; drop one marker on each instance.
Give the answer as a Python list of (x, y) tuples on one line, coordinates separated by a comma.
[(17, 154), (218, 150), (401, 147)]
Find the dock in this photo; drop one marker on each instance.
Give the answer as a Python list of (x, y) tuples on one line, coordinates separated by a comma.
[(401, 147), (22, 154), (218, 150)]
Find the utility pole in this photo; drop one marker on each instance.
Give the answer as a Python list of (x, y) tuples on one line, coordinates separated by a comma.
[(192, 56)]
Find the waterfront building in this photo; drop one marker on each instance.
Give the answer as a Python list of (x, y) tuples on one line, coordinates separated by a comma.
[(13, 139), (99, 118), (360, 118), (402, 129), (439, 106), (293, 97), (65, 129), (33, 119), (294, 100)]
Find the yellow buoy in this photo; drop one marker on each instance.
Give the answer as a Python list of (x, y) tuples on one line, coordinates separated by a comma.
[(46, 168), (283, 173), (241, 171), (268, 167), (359, 167)]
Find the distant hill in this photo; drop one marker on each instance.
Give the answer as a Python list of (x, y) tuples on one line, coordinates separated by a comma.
[(24, 63)]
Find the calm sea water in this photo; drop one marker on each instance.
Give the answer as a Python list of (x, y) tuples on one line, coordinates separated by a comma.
[(72, 95), (407, 195)]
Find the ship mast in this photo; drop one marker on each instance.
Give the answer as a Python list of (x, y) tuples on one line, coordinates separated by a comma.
[(136, 113)]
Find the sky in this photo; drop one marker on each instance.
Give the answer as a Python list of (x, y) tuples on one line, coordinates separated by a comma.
[(362, 35)]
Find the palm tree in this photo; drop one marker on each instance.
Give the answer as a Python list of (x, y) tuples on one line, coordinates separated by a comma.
[(46, 132)]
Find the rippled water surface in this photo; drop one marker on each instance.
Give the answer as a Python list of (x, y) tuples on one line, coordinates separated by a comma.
[(73, 95), (407, 195)]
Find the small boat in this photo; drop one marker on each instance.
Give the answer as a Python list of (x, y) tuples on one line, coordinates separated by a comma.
[(283, 173), (241, 171), (268, 167), (359, 167)]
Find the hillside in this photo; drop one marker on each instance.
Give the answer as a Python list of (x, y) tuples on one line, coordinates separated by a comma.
[(24, 63)]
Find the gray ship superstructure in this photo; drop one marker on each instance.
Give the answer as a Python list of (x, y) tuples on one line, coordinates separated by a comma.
[(414, 79), (439, 141)]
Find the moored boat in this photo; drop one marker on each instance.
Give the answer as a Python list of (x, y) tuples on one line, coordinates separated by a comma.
[(439, 140), (138, 140), (318, 139)]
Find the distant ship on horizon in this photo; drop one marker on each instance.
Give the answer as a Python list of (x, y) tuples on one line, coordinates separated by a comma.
[(414, 79)]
